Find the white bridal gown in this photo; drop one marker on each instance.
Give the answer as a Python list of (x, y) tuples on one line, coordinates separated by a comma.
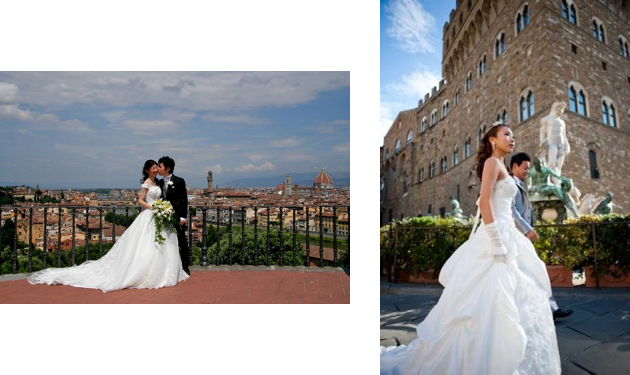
[(492, 317), (135, 261)]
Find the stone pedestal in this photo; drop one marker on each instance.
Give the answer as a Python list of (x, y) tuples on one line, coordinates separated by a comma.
[(548, 209)]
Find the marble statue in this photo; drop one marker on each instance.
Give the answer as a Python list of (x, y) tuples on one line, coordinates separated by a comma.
[(554, 145)]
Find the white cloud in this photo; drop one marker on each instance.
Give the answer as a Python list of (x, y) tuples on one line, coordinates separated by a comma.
[(195, 91), (214, 168), (285, 143), (9, 92), (267, 166), (13, 112), (415, 85), (113, 116), (256, 158), (149, 127), (410, 25), (237, 119), (67, 125), (342, 148), (404, 95)]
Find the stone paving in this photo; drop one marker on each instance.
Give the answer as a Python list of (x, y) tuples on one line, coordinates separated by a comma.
[(595, 339), (223, 284)]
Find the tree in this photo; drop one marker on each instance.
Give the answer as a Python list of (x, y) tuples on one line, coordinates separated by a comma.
[(275, 252)]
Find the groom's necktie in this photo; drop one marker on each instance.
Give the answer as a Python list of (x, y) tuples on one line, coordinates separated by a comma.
[(165, 187)]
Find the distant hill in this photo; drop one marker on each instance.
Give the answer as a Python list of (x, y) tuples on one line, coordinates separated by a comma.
[(303, 179)]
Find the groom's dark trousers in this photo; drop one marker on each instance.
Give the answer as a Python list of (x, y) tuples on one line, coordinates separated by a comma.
[(176, 194)]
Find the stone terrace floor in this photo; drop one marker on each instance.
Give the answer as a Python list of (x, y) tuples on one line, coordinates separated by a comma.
[(223, 284)]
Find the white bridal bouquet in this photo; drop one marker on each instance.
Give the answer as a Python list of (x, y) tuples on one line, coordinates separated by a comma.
[(164, 216)]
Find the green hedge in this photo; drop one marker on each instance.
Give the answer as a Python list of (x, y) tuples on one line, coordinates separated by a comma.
[(425, 243)]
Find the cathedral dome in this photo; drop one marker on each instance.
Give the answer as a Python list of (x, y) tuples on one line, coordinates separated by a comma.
[(323, 179)]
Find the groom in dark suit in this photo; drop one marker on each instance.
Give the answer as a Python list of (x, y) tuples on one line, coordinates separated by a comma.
[(522, 211), (174, 191)]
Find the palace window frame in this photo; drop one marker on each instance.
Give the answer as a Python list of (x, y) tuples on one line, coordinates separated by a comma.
[(455, 156), (623, 47), (569, 11), (526, 105), (599, 30), (502, 115), (482, 67), (445, 108), (578, 100), (467, 150), (499, 45), (522, 19), (609, 112), (469, 82)]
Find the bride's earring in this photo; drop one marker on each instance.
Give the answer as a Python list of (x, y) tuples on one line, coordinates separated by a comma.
[(494, 145)]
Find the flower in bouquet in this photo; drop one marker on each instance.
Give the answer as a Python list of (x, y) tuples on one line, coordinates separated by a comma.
[(164, 216)]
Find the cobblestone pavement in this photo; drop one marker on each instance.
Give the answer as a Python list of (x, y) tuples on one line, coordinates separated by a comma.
[(595, 339)]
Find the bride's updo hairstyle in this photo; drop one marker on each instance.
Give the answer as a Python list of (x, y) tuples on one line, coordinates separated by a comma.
[(485, 149), (145, 170)]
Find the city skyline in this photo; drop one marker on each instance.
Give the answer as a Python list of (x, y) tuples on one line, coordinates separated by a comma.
[(87, 130)]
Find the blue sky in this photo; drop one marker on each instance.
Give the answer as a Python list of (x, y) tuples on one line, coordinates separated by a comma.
[(96, 129), (411, 53)]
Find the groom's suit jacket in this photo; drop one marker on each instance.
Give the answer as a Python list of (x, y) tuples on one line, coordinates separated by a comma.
[(177, 195), (522, 209)]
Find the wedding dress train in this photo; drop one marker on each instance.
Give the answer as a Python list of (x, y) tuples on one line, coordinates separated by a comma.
[(492, 317), (135, 260)]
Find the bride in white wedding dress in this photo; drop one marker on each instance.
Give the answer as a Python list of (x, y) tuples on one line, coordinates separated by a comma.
[(135, 261), (493, 316)]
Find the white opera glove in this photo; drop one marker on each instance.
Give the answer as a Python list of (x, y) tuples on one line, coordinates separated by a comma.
[(498, 248)]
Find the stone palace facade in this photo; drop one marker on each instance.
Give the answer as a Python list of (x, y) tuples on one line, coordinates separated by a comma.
[(510, 60)]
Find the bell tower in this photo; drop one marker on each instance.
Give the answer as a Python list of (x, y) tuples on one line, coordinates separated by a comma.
[(209, 181)]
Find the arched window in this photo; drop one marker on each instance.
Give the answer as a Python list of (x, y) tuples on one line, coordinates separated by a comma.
[(568, 11), (386, 155), (527, 105), (499, 45), (482, 132), (598, 30), (469, 82), (522, 19), (432, 169), (445, 108), (457, 97), (455, 156), (409, 137), (502, 116), (434, 117), (623, 47), (577, 100), (443, 164), (592, 158), (467, 152), (609, 116), (423, 125), (482, 66), (398, 146), (421, 174)]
